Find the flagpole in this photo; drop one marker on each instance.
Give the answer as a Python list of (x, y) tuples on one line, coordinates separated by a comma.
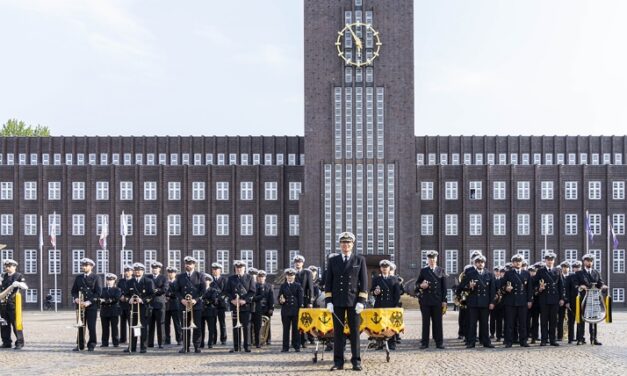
[(56, 301), (609, 252), (587, 231), (41, 262)]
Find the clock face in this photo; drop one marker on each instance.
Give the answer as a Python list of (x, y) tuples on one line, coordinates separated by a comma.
[(358, 44)]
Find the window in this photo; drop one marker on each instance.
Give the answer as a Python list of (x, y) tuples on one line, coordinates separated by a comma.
[(426, 190), (537, 158), (594, 190), (150, 256), (128, 159), (478, 159), (499, 224), (129, 224), (525, 253), (174, 190), (272, 263), (78, 224), (30, 261), (595, 158), (31, 295), (455, 159), (30, 224), (523, 224), (199, 255), (523, 190), (607, 158), (126, 190), (467, 158), (174, 258), (256, 159), (77, 256), (295, 189), (45, 159), (150, 224), (525, 159), (57, 295), (115, 159), (209, 159), (291, 159), (102, 190), (595, 224), (426, 224), (102, 220), (150, 159), (232, 159), (546, 223), (185, 159), (126, 258), (475, 190), (222, 190), (33, 159), (475, 224), (270, 222), (222, 258), (246, 255), (246, 190), (222, 224), (570, 224), (198, 225), (450, 190), (423, 258), (570, 190), (243, 159), (597, 259), (150, 190), (104, 159), (54, 190), (198, 190), (498, 258), (78, 190), (450, 224), (56, 156), (618, 222), (443, 158), (30, 190), (491, 159), (451, 261), (6, 254), (294, 225), (6, 224), (619, 261), (197, 159), (499, 190), (174, 224), (570, 255), (546, 190), (6, 190), (246, 224), (420, 159), (267, 159), (548, 159), (583, 158), (618, 159), (513, 158), (54, 224), (163, 159), (618, 295), (54, 261), (618, 190), (271, 190)]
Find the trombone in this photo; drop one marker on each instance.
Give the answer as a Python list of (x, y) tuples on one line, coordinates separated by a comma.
[(80, 320), (188, 325), (134, 331), (238, 324)]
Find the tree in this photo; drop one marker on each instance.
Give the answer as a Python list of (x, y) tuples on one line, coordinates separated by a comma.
[(15, 128)]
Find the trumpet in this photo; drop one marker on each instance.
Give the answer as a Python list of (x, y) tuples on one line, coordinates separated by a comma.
[(134, 330), (188, 323), (80, 320)]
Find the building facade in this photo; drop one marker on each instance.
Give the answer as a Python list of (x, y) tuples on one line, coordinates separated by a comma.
[(359, 168)]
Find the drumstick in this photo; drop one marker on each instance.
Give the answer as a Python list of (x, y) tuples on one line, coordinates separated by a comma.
[(338, 319)]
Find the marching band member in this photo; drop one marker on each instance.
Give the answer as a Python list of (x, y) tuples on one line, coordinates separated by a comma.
[(588, 278), (400, 280), (110, 311), (139, 291), (346, 293), (10, 306), (431, 291), (481, 289), (156, 321), (220, 282), (240, 289), (190, 284), (124, 307), (264, 306), (460, 297), (172, 309), (533, 313), (291, 300), (572, 290), (548, 283), (210, 301), (564, 269), (496, 315), (304, 277), (386, 291), (517, 298), (89, 285)]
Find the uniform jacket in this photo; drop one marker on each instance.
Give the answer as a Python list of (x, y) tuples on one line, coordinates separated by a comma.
[(161, 286), (590, 279), (485, 288), (264, 299), (522, 292), (293, 294), (8, 281), (144, 288), (210, 301), (346, 284), (122, 286), (571, 287), (91, 288), (435, 294), (171, 301), (110, 302), (305, 278), (220, 285), (193, 285), (245, 286), (390, 291), (553, 286)]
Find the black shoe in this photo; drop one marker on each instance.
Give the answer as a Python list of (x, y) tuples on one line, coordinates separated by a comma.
[(297, 350), (554, 344), (392, 347), (579, 343), (116, 345), (90, 348), (498, 339), (142, 351), (151, 345), (470, 346), (209, 346), (167, 342), (356, 367), (268, 343), (460, 337), (285, 350), (489, 346), (440, 346), (491, 336), (508, 345), (304, 346), (337, 367), (178, 343), (422, 347), (197, 350), (559, 340), (596, 343), (541, 343), (182, 351), (223, 342), (246, 349), (524, 344), (533, 342), (103, 345), (160, 346), (202, 345), (126, 350), (570, 341), (258, 346)]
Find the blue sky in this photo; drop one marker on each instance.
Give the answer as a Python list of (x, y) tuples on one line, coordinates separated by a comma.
[(140, 67)]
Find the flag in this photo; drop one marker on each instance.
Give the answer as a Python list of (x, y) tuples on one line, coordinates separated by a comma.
[(614, 237), (104, 233), (41, 233), (586, 224), (123, 229), (53, 232)]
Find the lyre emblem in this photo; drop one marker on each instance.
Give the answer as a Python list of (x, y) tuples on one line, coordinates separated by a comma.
[(324, 318), (376, 318)]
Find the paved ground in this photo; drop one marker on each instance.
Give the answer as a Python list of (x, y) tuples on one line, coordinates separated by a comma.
[(50, 338)]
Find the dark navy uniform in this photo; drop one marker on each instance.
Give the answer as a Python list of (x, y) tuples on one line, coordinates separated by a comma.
[(172, 314), (390, 295), (210, 302), (572, 290), (497, 314), (590, 278), (191, 284), (157, 317), (245, 287), (478, 301), (516, 304), (431, 300), (549, 302), (264, 306), (91, 288), (293, 295), (143, 288), (124, 310), (305, 278), (110, 315), (345, 286), (7, 311), (222, 308)]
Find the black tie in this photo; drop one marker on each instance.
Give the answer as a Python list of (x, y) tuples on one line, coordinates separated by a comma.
[(345, 259)]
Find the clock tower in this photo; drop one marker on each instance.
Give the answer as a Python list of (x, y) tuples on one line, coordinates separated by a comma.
[(360, 173)]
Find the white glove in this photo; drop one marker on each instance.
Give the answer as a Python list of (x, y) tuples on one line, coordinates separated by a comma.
[(330, 307), (87, 303), (15, 284), (358, 308)]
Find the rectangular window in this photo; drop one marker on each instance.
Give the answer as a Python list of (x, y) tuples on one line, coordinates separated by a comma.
[(270, 223), (420, 159), (513, 158), (57, 295), (126, 190), (150, 159), (597, 264), (619, 261), (256, 159), (139, 159), (570, 224), (78, 190), (451, 224), (246, 224), (222, 224), (115, 159), (502, 158), (523, 224), (6, 224), (77, 256), (618, 222), (491, 159), (426, 224), (451, 261), (6, 254), (33, 159), (455, 159), (271, 190), (523, 190), (6, 190), (174, 190), (30, 190), (499, 190), (198, 225), (426, 190), (267, 159), (174, 224), (150, 256), (525, 159), (246, 190), (498, 258), (525, 253), (222, 258), (163, 159), (537, 158), (443, 158), (104, 159), (570, 255), (198, 190), (126, 258), (467, 158), (618, 190), (243, 159), (185, 159), (150, 224), (30, 261), (570, 190), (232, 159), (431, 159), (30, 224), (294, 225), (31, 296), (595, 158), (174, 258), (78, 224), (246, 255), (548, 159), (499, 224), (128, 159), (54, 190), (56, 156), (607, 158), (478, 159), (594, 190), (102, 220), (272, 261), (475, 190), (209, 159), (222, 190), (295, 189), (546, 190), (546, 223), (451, 190), (618, 295), (583, 158), (197, 159), (102, 190), (595, 224), (150, 190), (201, 259), (475, 224), (54, 261)]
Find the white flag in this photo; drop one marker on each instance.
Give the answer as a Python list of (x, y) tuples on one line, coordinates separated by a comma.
[(104, 233), (123, 229), (41, 233)]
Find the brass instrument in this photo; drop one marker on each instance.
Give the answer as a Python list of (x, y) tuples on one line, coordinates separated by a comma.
[(565, 326), (134, 330), (188, 324), (281, 299), (80, 320), (542, 284), (238, 324), (265, 329)]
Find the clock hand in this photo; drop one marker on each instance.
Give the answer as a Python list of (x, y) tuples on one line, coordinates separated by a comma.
[(357, 40)]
